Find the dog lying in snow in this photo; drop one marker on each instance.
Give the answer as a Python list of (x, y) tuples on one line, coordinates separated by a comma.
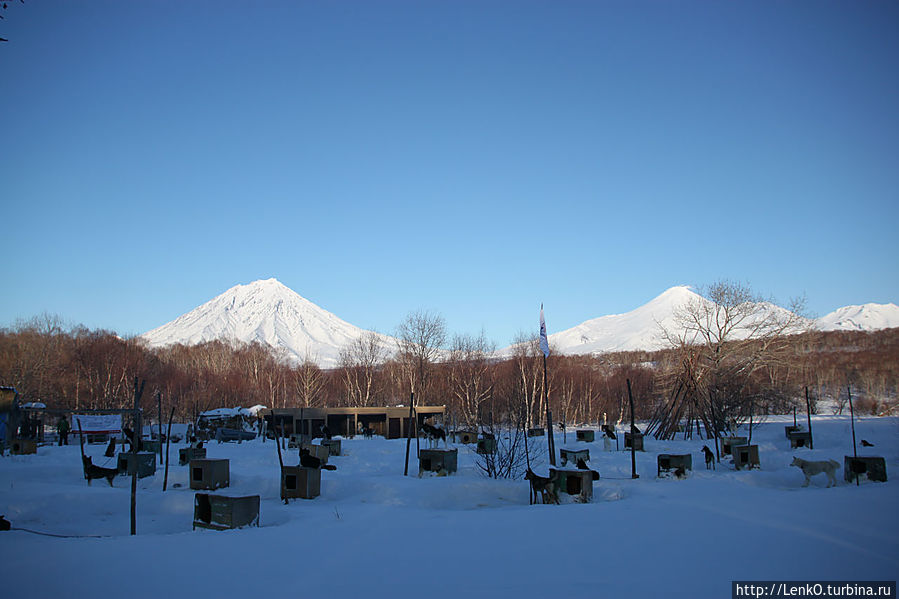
[(709, 457), (810, 469)]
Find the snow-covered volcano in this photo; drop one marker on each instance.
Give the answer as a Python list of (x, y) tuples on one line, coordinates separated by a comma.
[(268, 312), (869, 317)]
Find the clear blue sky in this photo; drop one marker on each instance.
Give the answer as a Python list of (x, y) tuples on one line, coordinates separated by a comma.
[(470, 158)]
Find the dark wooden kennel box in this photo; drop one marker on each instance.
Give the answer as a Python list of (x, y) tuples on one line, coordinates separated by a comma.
[(635, 439), (298, 482), (874, 467), (672, 461), (587, 435), (441, 461), (727, 444), (745, 456), (143, 461), (220, 512), (209, 474), (186, 454), (573, 455)]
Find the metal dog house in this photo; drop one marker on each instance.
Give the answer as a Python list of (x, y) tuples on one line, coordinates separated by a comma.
[(209, 474), (219, 512), (874, 467)]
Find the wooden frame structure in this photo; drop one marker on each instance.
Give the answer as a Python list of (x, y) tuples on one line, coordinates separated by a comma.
[(390, 422)]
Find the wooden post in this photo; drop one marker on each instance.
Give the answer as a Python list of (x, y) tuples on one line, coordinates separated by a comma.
[(408, 433), (168, 440), (852, 416), (630, 398), (794, 415), (138, 391), (278, 444), (550, 442), (750, 422), (159, 436), (808, 411)]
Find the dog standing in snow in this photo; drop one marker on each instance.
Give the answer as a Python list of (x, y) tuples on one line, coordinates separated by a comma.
[(810, 469), (709, 457)]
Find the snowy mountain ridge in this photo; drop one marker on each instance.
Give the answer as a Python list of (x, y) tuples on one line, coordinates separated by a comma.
[(272, 314), (267, 312)]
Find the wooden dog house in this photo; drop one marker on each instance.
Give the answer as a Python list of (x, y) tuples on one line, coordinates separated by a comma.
[(671, 461), (23, 446), (220, 512), (575, 482), (727, 443), (319, 451), (587, 435), (790, 429), (874, 467), (441, 461), (633, 438), (745, 456), (144, 461), (573, 455), (333, 446), (297, 440), (298, 482), (465, 436), (486, 446), (209, 474), (800, 439), (186, 454)]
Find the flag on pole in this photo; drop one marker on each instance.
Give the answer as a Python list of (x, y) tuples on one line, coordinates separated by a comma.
[(544, 342)]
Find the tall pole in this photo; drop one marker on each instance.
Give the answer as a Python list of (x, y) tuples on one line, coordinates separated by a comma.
[(808, 411), (852, 416), (409, 433), (159, 436), (549, 420), (135, 442), (630, 398)]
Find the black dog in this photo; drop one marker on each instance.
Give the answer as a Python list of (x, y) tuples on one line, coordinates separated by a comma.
[(5, 524), (709, 457), (608, 431), (307, 460), (867, 444), (91, 472), (326, 432), (130, 437)]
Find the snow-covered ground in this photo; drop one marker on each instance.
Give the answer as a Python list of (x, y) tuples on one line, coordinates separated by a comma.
[(375, 533)]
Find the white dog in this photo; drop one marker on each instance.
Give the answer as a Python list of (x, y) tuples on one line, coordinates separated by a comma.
[(810, 469)]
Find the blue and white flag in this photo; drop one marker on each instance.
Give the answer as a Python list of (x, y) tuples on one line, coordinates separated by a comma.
[(544, 342)]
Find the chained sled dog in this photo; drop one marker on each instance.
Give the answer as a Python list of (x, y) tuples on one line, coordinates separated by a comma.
[(810, 469)]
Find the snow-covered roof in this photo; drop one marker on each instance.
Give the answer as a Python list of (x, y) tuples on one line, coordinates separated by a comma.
[(231, 412), (34, 405)]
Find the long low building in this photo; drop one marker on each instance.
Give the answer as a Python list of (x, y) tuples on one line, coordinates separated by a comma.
[(389, 422)]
